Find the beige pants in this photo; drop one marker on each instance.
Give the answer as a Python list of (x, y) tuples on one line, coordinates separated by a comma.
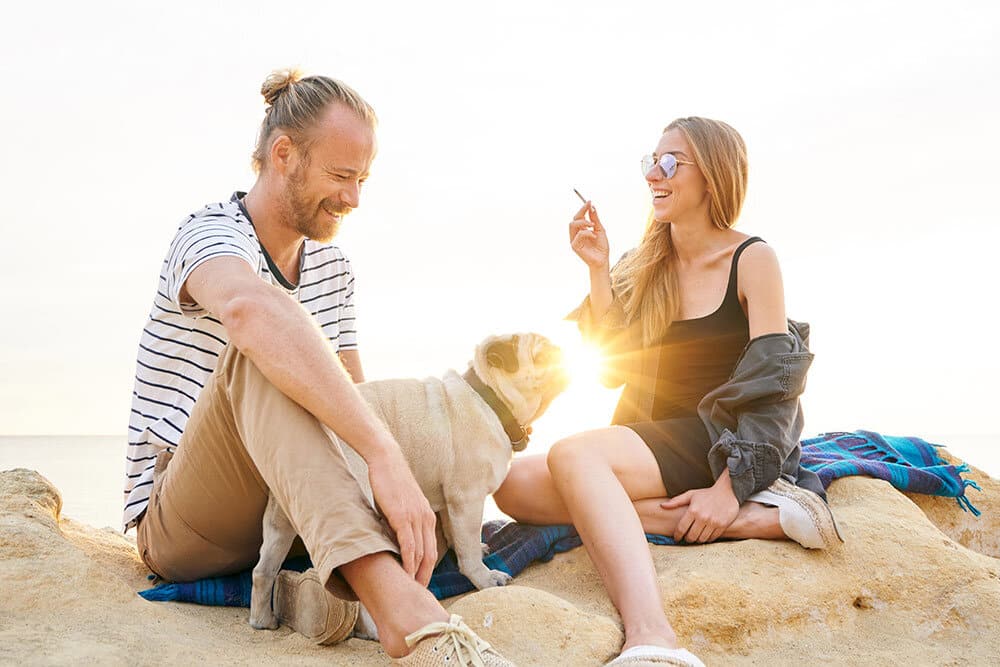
[(245, 437)]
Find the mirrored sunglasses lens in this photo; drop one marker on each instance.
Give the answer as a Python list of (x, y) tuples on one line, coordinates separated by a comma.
[(668, 163), (647, 164)]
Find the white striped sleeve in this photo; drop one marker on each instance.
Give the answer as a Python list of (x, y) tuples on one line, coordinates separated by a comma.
[(348, 338), (199, 240)]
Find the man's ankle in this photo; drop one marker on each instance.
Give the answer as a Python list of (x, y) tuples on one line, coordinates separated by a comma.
[(397, 603), (393, 639)]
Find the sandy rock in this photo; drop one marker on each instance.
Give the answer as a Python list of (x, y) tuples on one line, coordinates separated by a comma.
[(899, 591), (68, 596), (508, 617), (897, 587), (980, 533)]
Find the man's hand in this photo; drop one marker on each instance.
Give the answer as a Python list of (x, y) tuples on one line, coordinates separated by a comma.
[(709, 511), (300, 361), (409, 514)]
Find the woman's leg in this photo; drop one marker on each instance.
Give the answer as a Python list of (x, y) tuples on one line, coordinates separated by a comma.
[(755, 521), (529, 495), (598, 474)]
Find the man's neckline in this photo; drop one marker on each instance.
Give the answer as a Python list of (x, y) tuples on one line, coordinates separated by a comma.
[(271, 266)]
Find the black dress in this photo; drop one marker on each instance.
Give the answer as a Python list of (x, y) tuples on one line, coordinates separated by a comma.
[(695, 357)]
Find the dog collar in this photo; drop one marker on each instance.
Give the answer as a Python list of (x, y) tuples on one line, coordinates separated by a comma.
[(518, 434)]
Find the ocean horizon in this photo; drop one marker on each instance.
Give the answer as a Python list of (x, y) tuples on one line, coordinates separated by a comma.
[(89, 470)]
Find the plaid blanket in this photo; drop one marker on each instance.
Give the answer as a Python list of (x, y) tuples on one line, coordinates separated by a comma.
[(909, 464)]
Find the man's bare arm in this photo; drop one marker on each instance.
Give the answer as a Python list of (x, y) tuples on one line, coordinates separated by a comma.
[(286, 344), (352, 364)]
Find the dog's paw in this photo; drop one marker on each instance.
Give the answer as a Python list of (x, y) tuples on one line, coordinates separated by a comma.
[(264, 622), (499, 578)]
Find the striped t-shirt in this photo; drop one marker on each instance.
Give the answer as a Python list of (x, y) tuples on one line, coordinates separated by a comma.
[(182, 342)]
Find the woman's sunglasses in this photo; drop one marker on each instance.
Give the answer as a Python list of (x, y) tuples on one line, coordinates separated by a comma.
[(667, 164)]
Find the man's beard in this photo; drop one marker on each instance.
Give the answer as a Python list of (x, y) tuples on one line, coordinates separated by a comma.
[(311, 222)]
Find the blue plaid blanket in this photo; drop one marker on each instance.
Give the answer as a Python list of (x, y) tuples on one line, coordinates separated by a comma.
[(909, 464)]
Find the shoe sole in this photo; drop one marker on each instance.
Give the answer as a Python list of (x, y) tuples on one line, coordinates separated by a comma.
[(302, 602), (817, 508), (676, 657)]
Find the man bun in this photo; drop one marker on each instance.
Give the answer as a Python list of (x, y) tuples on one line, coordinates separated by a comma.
[(278, 82), (296, 103)]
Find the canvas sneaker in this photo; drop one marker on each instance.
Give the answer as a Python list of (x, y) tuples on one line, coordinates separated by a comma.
[(451, 643), (804, 516)]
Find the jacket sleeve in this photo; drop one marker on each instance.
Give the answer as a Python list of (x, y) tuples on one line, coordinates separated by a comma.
[(756, 418), (609, 333), (753, 466), (599, 331)]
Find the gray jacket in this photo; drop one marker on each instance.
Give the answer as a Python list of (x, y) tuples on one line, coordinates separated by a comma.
[(755, 418)]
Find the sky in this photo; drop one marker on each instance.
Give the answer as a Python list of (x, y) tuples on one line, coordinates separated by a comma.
[(871, 128)]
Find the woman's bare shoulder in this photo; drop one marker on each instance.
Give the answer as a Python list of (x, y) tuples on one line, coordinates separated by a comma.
[(759, 257), (761, 289)]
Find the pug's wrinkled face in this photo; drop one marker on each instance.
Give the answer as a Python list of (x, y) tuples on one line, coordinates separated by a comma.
[(525, 370)]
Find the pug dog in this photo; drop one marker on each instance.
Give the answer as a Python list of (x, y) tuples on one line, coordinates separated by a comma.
[(458, 433)]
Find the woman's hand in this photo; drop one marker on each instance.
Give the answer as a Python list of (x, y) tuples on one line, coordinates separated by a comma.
[(587, 237), (709, 512)]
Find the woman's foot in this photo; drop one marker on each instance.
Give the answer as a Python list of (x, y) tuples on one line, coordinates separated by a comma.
[(804, 516), (655, 656)]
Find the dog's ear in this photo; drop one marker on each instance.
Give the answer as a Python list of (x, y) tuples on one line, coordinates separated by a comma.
[(503, 354)]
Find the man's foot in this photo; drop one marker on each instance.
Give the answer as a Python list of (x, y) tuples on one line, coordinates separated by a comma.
[(804, 516), (302, 602), (451, 643), (655, 656)]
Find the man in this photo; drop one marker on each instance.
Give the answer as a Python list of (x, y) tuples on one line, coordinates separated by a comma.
[(237, 376)]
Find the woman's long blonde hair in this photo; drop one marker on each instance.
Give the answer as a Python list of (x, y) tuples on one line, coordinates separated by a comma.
[(646, 278)]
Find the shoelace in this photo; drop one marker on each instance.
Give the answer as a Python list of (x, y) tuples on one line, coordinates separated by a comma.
[(454, 638)]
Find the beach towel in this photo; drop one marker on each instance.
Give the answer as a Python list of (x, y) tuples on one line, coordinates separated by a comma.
[(908, 463)]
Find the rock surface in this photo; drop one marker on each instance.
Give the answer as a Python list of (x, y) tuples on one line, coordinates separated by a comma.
[(917, 582)]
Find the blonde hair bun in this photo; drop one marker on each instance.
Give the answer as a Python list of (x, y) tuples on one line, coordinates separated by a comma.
[(278, 82), (294, 110)]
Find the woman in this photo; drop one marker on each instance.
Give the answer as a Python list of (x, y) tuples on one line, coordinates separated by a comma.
[(693, 323)]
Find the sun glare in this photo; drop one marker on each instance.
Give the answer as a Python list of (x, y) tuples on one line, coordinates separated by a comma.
[(586, 404), (582, 361)]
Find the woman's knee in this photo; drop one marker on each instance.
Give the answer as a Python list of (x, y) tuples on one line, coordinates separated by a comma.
[(559, 455), (616, 449), (579, 451)]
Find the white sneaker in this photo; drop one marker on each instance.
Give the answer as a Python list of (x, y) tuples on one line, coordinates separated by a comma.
[(804, 516), (655, 656)]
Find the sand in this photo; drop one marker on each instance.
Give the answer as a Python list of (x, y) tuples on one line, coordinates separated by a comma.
[(917, 582)]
